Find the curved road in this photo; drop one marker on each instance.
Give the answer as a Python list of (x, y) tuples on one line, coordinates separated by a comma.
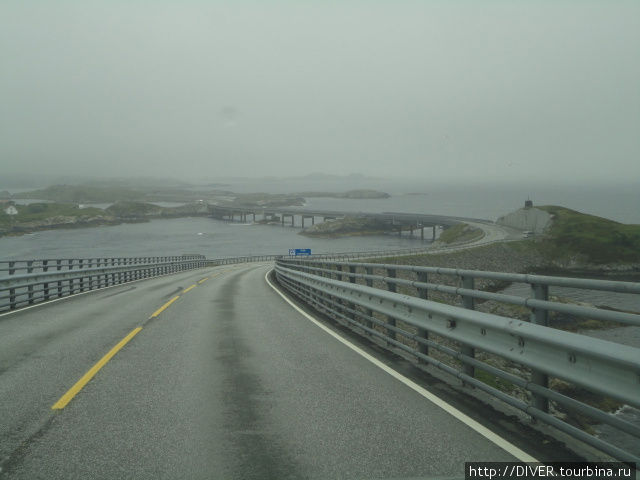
[(228, 381)]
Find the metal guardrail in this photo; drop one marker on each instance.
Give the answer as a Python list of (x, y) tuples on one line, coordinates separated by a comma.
[(27, 282), (352, 255), (480, 348)]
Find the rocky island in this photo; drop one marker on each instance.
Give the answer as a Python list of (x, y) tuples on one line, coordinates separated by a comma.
[(347, 226), (47, 216), (350, 194)]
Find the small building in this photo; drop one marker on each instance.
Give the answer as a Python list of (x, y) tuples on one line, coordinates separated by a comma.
[(528, 203), (11, 210)]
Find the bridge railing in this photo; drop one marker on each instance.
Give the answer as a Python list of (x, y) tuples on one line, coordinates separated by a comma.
[(27, 282), (342, 255), (554, 376)]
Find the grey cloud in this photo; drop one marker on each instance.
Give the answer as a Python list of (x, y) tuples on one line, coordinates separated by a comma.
[(442, 90)]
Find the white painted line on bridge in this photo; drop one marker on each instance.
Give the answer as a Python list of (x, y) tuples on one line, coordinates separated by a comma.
[(470, 422)]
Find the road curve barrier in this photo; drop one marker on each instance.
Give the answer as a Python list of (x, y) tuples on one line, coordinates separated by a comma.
[(27, 282), (554, 376)]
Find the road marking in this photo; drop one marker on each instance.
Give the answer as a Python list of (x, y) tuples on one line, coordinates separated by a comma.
[(79, 385), (470, 422), (164, 307), (66, 398)]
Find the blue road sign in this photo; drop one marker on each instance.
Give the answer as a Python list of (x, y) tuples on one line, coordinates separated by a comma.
[(299, 252)]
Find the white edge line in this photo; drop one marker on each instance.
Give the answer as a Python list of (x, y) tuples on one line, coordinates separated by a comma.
[(470, 422)]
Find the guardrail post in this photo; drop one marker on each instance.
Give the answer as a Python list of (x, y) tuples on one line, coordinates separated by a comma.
[(80, 266), (392, 287), (369, 282), (59, 267), (340, 277), (352, 279), (323, 296), (30, 287), (468, 303), (540, 316), (12, 298), (11, 269), (45, 286), (423, 333)]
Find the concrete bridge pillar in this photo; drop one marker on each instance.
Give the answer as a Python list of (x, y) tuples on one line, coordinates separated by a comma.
[(307, 217), (293, 219)]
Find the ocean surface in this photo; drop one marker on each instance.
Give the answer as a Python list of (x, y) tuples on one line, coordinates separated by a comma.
[(205, 236)]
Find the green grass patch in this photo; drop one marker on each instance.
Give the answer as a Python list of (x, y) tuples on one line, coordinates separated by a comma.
[(42, 211), (493, 381), (133, 209), (596, 239), (460, 233)]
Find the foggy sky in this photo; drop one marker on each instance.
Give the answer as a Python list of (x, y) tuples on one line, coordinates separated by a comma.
[(438, 90)]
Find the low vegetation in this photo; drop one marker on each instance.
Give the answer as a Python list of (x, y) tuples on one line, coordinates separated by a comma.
[(133, 210), (41, 216), (267, 200), (40, 211), (460, 233), (348, 226), (595, 240), (44, 216)]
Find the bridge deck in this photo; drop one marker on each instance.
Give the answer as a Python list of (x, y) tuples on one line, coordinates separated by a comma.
[(228, 381)]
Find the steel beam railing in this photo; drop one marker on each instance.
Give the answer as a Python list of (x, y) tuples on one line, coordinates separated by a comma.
[(29, 282), (476, 347)]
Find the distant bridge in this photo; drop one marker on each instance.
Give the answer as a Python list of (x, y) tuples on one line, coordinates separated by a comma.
[(396, 221)]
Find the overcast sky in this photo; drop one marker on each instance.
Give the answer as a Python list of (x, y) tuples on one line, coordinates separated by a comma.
[(434, 89)]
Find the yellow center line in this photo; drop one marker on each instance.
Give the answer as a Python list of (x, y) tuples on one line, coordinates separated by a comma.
[(203, 280), (66, 398), (163, 307), (189, 288)]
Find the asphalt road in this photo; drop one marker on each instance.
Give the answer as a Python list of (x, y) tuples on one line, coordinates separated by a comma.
[(229, 381)]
